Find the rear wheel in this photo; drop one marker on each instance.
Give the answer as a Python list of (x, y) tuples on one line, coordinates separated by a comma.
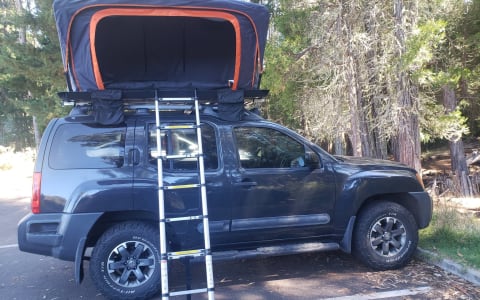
[(125, 263), (385, 236)]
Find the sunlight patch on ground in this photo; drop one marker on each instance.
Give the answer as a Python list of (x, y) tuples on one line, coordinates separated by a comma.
[(16, 170), (384, 295)]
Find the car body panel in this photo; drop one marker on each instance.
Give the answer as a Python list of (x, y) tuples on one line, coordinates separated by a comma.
[(280, 203)]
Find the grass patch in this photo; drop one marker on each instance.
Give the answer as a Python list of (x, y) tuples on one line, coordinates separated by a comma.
[(453, 235)]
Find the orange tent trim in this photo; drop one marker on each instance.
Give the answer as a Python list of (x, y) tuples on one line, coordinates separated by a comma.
[(210, 10)]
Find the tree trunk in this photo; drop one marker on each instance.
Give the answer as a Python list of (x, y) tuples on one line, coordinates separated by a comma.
[(355, 130), (408, 133), (457, 151), (366, 135), (22, 32), (377, 142), (352, 85), (339, 145), (36, 132)]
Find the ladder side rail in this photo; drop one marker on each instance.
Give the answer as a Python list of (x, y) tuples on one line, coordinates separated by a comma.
[(203, 191), (161, 207)]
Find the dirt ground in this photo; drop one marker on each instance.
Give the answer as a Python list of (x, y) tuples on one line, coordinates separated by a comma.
[(443, 186)]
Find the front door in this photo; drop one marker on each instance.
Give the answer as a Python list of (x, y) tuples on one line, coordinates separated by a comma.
[(281, 190)]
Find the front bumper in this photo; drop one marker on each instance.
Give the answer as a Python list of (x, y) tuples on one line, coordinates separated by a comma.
[(55, 234)]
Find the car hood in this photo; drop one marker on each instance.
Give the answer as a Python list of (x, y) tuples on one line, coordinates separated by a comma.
[(169, 44), (371, 163), (351, 171)]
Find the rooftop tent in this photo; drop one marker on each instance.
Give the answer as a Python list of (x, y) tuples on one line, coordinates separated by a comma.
[(121, 44)]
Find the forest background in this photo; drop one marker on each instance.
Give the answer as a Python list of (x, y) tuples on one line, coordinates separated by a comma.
[(374, 78)]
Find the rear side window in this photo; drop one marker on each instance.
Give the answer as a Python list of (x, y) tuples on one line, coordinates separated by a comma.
[(183, 142), (78, 146)]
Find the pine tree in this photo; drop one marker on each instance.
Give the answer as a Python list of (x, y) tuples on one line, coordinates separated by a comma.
[(31, 68)]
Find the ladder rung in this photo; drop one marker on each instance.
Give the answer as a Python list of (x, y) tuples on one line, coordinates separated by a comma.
[(188, 292), (181, 186), (182, 126), (161, 107), (189, 218), (176, 99), (178, 156), (186, 253), (173, 107)]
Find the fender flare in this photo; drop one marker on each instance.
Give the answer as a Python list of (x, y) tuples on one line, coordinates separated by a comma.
[(346, 242), (79, 273)]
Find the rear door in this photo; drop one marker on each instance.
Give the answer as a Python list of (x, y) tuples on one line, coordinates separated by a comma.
[(87, 169), (182, 202)]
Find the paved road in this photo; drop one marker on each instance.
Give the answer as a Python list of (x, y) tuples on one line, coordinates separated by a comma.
[(310, 276)]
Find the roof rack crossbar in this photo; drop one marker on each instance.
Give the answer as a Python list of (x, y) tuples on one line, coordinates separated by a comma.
[(148, 96)]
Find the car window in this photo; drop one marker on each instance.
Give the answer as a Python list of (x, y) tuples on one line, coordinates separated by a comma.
[(183, 142), (78, 146), (261, 147)]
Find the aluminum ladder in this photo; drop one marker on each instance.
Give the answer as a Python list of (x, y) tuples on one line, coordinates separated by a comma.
[(165, 256)]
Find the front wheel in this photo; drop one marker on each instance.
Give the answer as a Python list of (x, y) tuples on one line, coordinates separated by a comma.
[(385, 236), (125, 263)]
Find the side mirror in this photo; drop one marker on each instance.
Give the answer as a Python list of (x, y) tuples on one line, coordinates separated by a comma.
[(312, 160)]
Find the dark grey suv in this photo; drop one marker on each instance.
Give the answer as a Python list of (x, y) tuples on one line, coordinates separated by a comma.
[(268, 188)]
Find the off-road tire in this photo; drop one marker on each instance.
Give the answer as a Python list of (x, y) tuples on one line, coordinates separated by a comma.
[(385, 236), (125, 262)]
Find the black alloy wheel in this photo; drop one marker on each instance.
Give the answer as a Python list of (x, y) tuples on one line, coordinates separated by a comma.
[(385, 235), (125, 262)]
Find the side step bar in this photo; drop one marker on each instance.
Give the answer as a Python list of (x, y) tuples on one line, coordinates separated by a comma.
[(285, 249)]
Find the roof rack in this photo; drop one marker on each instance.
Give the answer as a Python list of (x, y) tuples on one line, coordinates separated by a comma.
[(109, 106), (146, 98)]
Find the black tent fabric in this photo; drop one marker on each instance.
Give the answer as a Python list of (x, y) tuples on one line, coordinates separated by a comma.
[(231, 104), (130, 44), (106, 108)]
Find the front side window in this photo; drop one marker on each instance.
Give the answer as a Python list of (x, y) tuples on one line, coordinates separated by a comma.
[(79, 146), (183, 143), (261, 147)]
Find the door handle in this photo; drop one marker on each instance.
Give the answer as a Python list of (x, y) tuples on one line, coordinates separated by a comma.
[(134, 156), (246, 184)]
